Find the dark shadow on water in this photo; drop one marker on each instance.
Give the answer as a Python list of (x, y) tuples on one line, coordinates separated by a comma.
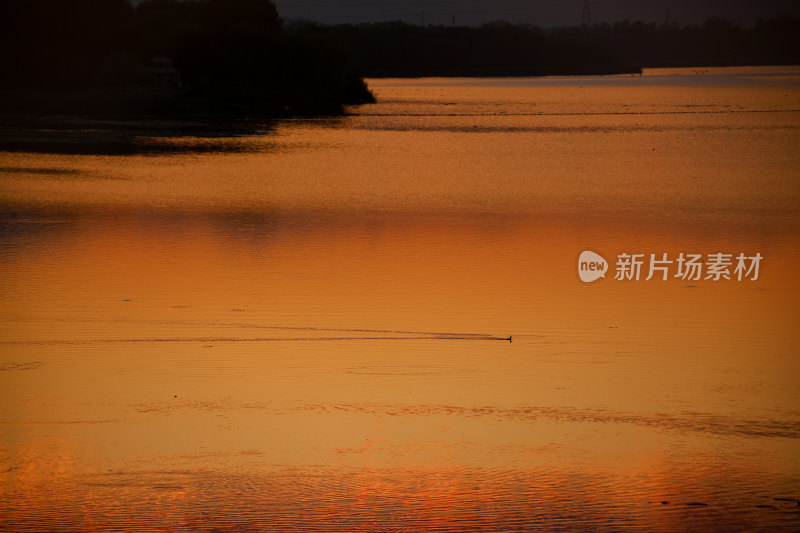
[(43, 171), (135, 136)]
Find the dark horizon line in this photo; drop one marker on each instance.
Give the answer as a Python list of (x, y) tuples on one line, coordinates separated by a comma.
[(301, 21)]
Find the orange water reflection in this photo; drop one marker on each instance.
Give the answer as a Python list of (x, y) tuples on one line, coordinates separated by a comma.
[(307, 333), (160, 348)]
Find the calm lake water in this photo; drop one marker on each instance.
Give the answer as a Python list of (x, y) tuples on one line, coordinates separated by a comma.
[(302, 324)]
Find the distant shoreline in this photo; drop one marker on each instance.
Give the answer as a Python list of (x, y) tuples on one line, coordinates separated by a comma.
[(91, 105), (221, 58), (501, 49)]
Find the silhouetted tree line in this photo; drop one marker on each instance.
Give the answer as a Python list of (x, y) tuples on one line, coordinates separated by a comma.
[(496, 49), (503, 49), (716, 42), (197, 55)]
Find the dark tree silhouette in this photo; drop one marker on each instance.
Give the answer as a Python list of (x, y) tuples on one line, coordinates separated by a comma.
[(502, 49), (236, 56), (167, 55)]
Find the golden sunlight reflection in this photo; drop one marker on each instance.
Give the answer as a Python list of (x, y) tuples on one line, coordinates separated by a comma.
[(376, 322)]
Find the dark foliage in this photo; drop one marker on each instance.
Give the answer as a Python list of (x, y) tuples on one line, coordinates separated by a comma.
[(497, 49), (168, 55), (502, 49), (717, 42), (236, 56)]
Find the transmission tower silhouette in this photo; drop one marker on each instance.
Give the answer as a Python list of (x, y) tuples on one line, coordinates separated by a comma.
[(586, 17)]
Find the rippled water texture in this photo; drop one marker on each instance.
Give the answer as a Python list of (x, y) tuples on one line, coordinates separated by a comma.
[(304, 324)]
